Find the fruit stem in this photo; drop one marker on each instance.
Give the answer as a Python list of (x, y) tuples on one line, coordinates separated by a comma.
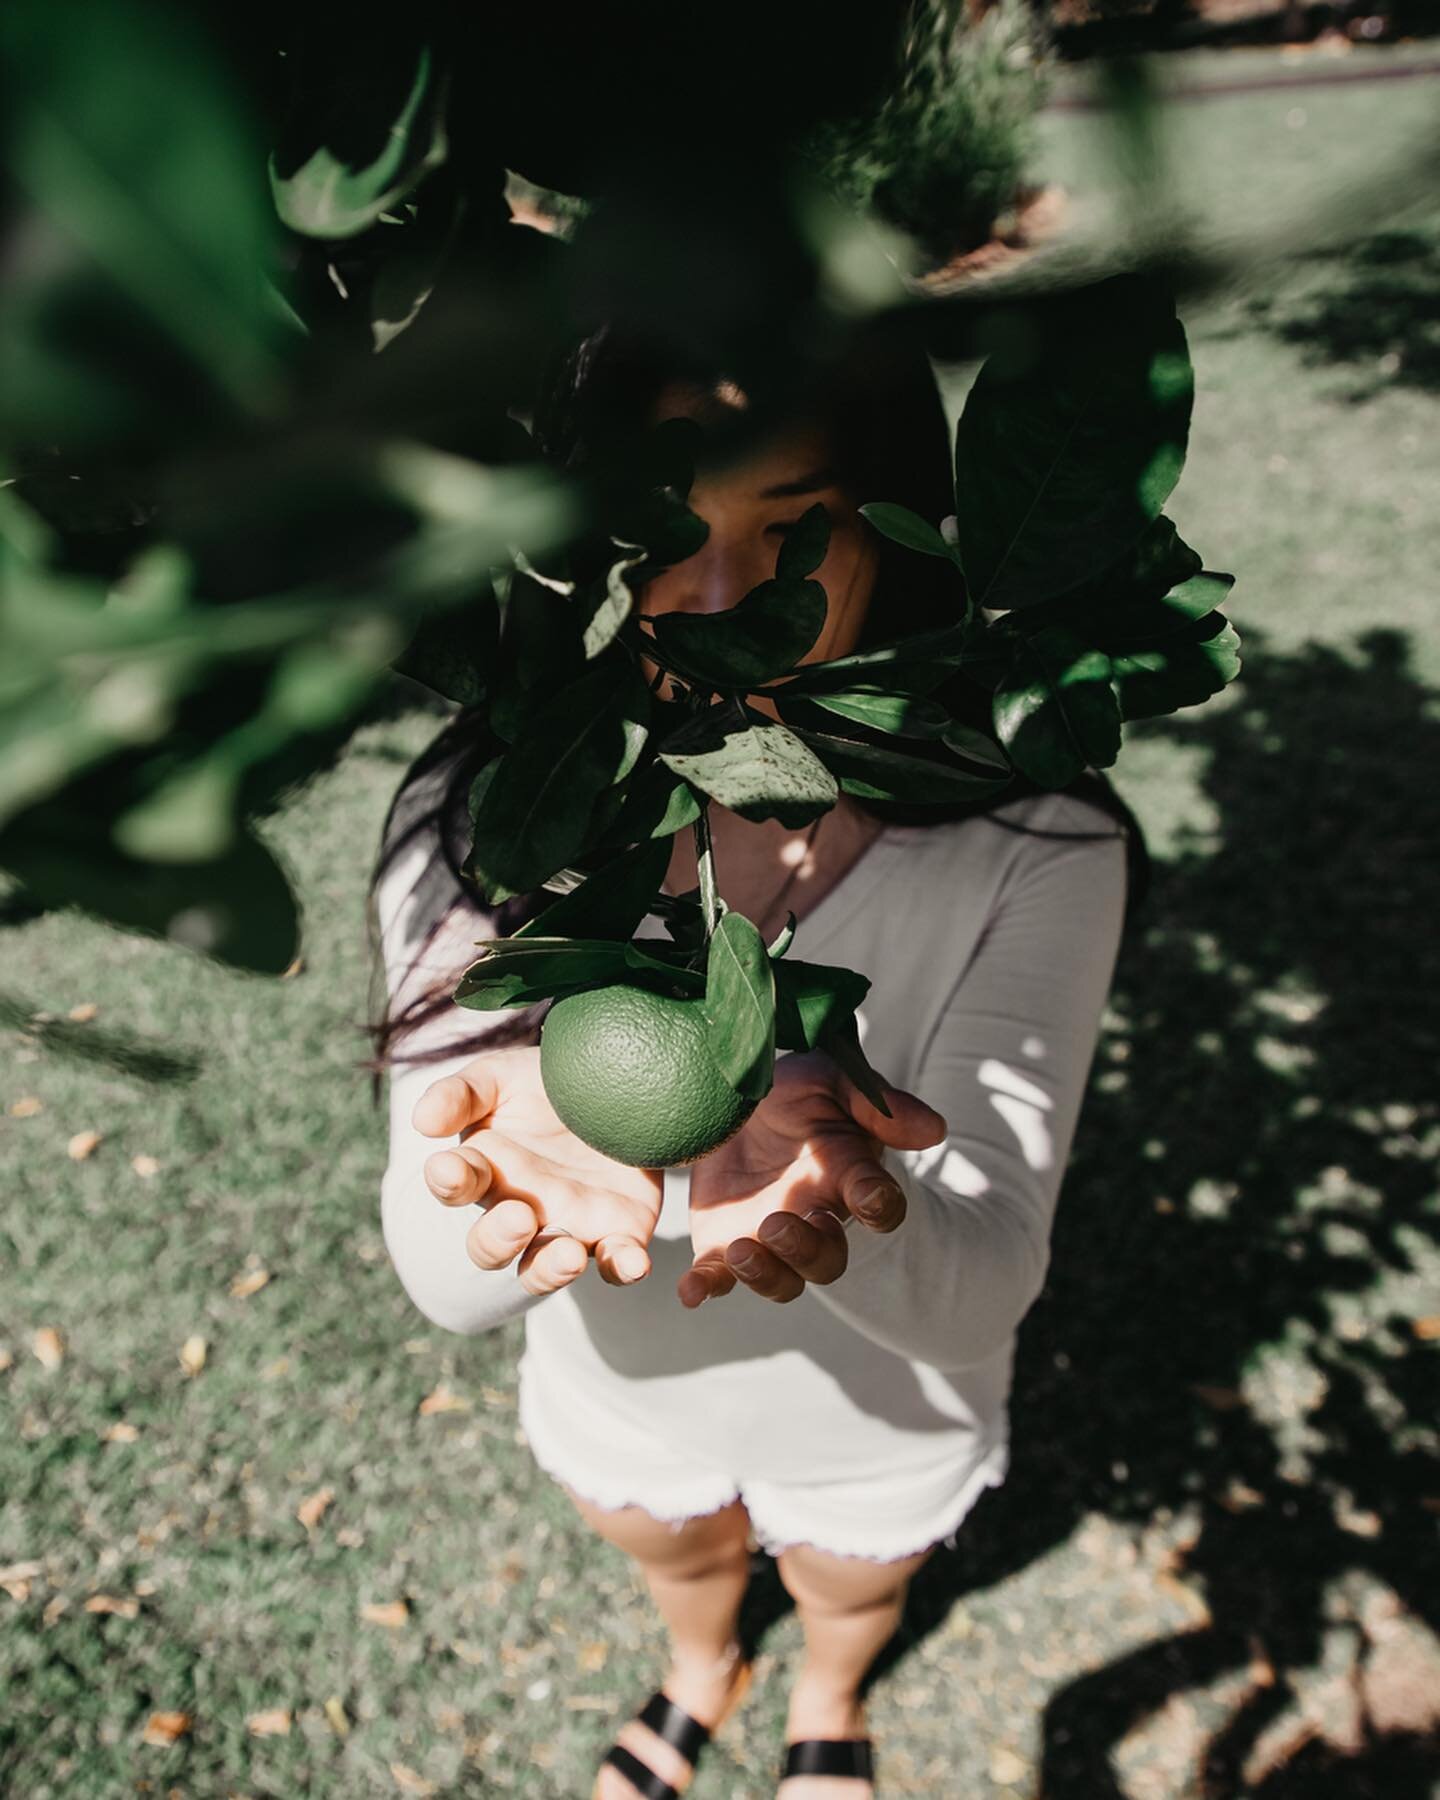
[(705, 859)]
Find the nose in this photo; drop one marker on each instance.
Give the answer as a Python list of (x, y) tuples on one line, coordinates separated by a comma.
[(720, 573)]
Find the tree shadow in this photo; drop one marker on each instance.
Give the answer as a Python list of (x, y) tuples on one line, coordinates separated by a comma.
[(1226, 1331), (89, 1043), (1376, 310)]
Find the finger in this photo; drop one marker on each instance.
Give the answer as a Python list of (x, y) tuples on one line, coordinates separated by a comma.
[(912, 1126), (621, 1260), (873, 1195), (500, 1234), (552, 1262), (449, 1105), (458, 1177), (814, 1246), (762, 1271), (519, 1173), (708, 1277)]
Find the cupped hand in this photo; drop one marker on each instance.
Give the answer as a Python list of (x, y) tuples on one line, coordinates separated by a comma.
[(529, 1172), (767, 1208)]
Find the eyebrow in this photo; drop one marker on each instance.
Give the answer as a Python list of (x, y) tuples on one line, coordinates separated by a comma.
[(812, 483)]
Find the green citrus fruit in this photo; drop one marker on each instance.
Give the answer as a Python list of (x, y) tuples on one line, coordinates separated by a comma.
[(630, 1073)]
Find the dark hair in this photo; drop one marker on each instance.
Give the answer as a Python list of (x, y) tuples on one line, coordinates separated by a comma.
[(880, 409)]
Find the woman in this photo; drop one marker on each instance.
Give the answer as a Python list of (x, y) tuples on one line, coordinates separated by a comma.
[(835, 1392)]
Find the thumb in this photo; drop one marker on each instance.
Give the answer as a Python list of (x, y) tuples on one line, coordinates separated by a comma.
[(913, 1125)]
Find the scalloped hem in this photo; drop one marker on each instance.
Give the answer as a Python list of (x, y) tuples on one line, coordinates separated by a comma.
[(776, 1512), (773, 1539)]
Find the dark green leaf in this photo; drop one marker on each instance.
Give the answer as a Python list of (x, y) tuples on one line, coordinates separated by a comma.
[(902, 715), (1137, 624), (812, 1000), (739, 1006), (656, 803), (879, 774), (1066, 452), (454, 652), (541, 647), (606, 606), (237, 908), (123, 129), (805, 546), (611, 901), (1183, 671), (975, 746), (917, 663), (905, 527), (760, 771), (535, 814), (515, 972), (784, 939), (329, 195), (760, 637), (1056, 712)]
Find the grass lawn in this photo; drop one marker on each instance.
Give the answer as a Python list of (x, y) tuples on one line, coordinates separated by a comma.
[(1221, 1520)]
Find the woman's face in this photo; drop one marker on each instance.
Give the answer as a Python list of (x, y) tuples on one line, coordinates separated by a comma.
[(749, 506)]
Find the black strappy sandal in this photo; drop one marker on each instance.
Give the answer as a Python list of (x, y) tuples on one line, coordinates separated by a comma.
[(830, 1756), (670, 1721)]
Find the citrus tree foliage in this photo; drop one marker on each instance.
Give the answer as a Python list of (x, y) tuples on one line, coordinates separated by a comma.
[(267, 338)]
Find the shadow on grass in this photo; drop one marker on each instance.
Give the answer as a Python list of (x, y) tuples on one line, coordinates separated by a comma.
[(89, 1043), (1378, 312), (1256, 1152)]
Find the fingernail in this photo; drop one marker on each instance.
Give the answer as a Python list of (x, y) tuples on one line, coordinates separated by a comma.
[(821, 1216), (630, 1265), (746, 1261), (875, 1202)]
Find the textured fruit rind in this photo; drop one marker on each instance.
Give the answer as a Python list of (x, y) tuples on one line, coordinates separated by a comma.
[(630, 1073)]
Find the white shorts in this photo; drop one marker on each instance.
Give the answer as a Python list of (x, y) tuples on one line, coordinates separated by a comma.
[(611, 1462)]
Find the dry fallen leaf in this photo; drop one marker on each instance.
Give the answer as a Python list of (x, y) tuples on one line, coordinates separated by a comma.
[(165, 1727), (474, 1654), (26, 1107), (412, 1782), (349, 1538), (394, 1613), (311, 1509), (275, 1723), (296, 968), (15, 1579), (1006, 1768), (6, 1358), (1426, 1329), (592, 1655), (1221, 1399), (49, 1347), (442, 1400), (84, 1013), (83, 1144), (335, 1713), (251, 1282), (145, 1166), (192, 1354), (121, 1432), (111, 1603), (54, 1606)]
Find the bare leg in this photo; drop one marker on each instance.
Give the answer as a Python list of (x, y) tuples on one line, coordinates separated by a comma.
[(849, 1608), (697, 1577)]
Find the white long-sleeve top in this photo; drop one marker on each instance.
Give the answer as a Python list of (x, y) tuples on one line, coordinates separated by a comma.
[(990, 954)]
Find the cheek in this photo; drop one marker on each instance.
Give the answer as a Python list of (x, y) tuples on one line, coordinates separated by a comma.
[(848, 576)]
